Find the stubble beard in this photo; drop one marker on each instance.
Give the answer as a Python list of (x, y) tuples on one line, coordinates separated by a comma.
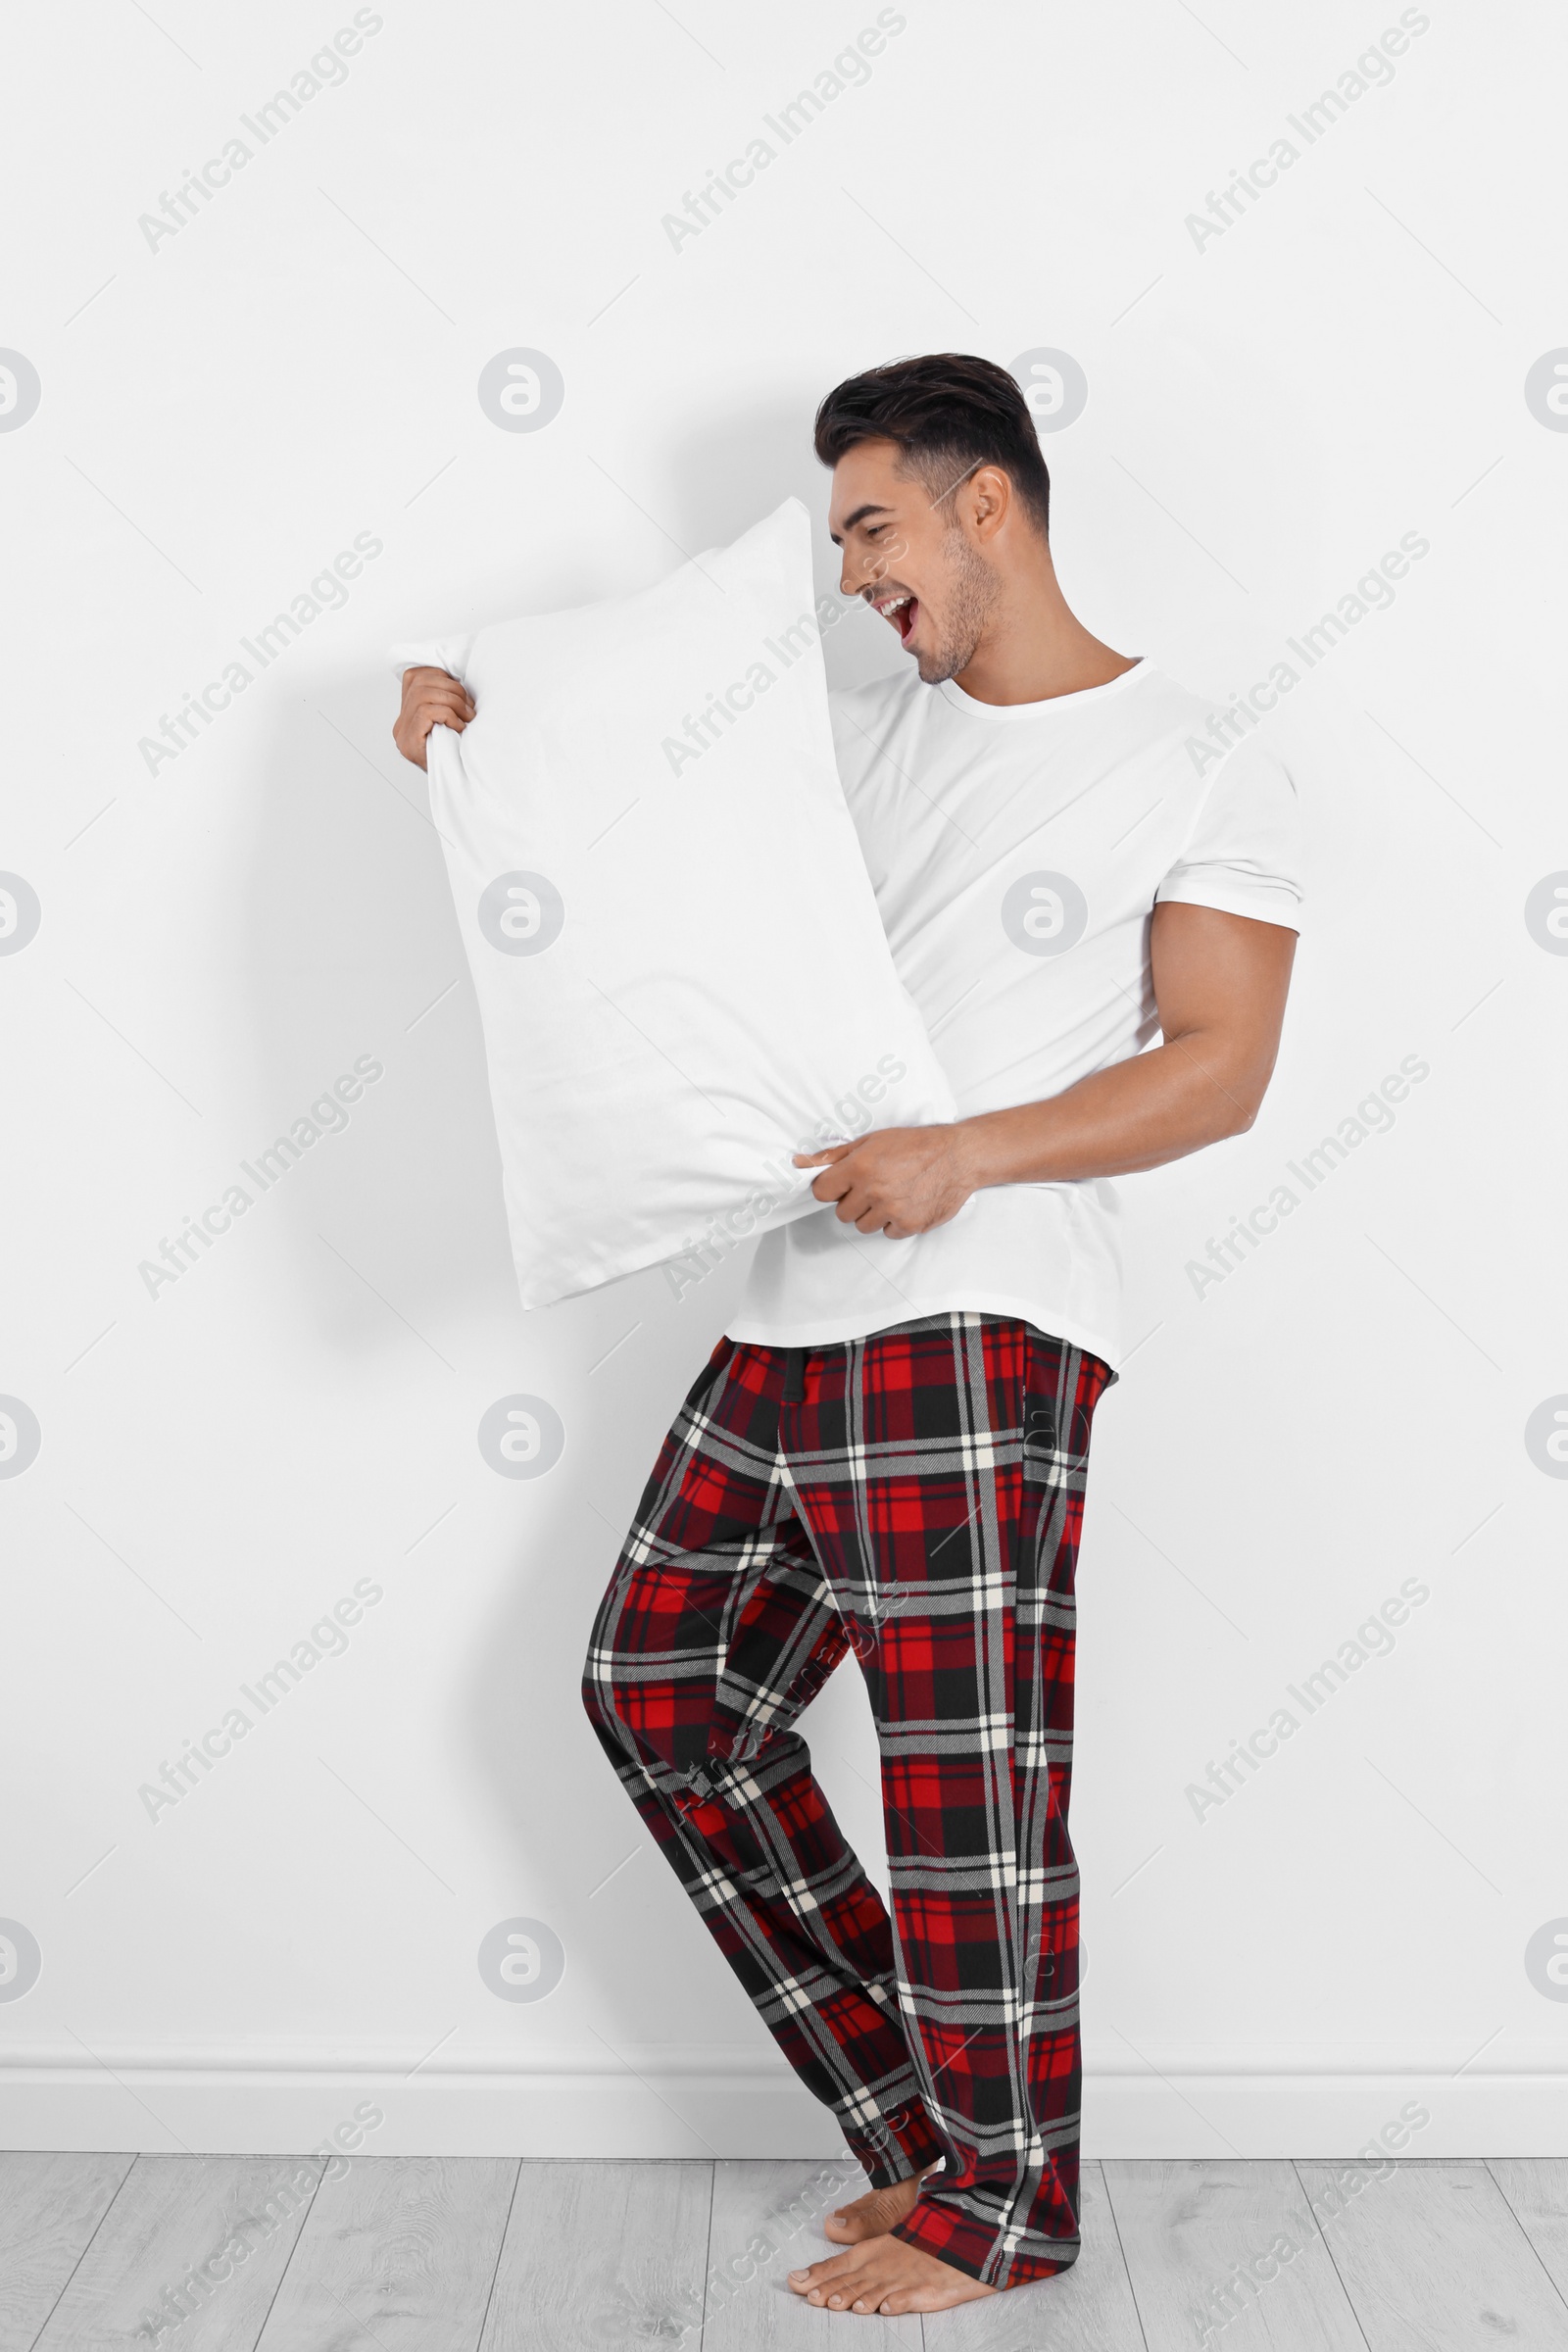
[(972, 594)]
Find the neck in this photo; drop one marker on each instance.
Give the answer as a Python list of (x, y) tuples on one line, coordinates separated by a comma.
[(1033, 646)]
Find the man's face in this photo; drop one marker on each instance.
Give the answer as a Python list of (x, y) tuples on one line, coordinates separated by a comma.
[(907, 553)]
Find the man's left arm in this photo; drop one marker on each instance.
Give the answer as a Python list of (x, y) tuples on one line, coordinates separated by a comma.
[(1220, 984)]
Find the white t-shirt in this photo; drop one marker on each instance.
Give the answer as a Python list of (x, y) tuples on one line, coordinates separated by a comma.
[(1017, 851)]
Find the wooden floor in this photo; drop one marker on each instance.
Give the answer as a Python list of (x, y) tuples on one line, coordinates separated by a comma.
[(436, 2254)]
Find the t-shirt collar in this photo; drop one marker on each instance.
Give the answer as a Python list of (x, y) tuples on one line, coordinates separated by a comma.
[(1009, 713)]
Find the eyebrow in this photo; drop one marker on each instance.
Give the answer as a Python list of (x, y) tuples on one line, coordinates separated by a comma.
[(859, 516)]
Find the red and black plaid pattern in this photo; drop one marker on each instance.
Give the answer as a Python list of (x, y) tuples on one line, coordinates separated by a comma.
[(920, 1504)]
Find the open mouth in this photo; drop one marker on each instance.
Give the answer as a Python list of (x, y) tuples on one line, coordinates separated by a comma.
[(902, 611)]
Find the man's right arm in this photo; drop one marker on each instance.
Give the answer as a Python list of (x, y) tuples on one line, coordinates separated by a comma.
[(431, 698)]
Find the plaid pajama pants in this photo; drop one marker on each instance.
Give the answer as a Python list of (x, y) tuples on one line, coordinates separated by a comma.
[(914, 1497)]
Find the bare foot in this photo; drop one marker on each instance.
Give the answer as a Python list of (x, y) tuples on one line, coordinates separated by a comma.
[(874, 2213), (885, 2276)]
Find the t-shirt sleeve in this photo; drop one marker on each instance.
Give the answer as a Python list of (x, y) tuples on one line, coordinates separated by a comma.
[(1245, 853), (434, 653)]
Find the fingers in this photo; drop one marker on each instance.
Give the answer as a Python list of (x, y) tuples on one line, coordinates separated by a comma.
[(857, 1183), (436, 690), (425, 678), (855, 1204), (431, 698), (868, 1214), (450, 708)]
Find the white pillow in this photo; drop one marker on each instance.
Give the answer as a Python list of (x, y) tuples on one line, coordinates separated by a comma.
[(681, 970)]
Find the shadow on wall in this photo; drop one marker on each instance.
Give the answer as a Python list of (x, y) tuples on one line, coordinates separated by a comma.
[(735, 467), (353, 956)]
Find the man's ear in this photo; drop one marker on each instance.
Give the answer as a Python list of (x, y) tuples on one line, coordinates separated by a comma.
[(990, 501)]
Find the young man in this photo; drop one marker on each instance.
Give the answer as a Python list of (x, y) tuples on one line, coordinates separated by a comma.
[(887, 1452)]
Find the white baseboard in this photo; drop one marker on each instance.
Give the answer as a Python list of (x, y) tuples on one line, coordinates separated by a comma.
[(684, 2104)]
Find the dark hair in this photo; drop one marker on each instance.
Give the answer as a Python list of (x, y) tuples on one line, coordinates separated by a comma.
[(949, 413)]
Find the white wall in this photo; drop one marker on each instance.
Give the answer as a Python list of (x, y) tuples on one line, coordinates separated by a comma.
[(1270, 409)]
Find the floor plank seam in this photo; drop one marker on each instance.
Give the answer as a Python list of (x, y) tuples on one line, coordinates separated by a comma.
[(82, 2256), (707, 2256), (501, 2247), (1519, 2224), (1116, 2222), (1323, 2233), (289, 2264)]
